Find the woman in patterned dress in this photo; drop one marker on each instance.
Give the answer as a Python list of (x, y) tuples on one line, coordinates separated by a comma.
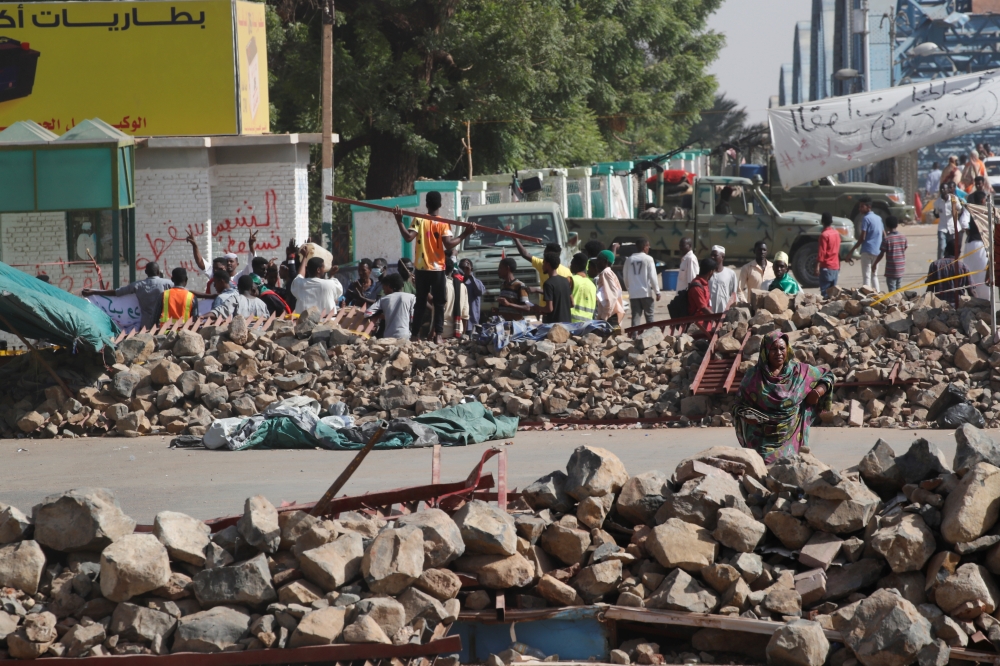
[(779, 399)]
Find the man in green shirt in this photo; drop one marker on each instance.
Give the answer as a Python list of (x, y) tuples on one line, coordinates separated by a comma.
[(783, 279)]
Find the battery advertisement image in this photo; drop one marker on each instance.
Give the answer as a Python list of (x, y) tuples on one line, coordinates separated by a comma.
[(148, 68)]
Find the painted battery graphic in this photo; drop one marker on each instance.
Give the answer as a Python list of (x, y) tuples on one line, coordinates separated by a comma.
[(253, 74), (17, 69)]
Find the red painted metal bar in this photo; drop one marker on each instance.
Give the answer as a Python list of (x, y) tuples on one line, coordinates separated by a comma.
[(303, 655), (557, 422), (502, 480), (675, 323), (409, 213), (696, 384)]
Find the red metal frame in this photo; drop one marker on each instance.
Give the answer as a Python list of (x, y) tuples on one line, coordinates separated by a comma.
[(677, 323)]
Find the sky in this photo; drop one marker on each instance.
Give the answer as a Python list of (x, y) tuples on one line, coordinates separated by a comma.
[(758, 40)]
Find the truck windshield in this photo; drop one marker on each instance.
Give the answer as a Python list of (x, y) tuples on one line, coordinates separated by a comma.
[(539, 225), (993, 167)]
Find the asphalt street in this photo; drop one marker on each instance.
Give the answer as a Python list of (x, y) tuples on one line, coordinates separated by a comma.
[(149, 477)]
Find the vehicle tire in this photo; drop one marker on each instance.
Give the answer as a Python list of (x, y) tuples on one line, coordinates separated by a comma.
[(804, 265)]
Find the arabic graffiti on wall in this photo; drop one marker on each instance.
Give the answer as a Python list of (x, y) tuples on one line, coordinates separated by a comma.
[(156, 247), (184, 50), (833, 135), (232, 233)]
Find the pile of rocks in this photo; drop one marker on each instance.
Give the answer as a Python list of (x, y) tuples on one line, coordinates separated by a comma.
[(897, 554), (178, 384)]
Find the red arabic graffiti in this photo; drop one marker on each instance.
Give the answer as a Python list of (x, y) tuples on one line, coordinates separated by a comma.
[(158, 246), (247, 220)]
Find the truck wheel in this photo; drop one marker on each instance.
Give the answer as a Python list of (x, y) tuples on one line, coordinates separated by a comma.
[(804, 265)]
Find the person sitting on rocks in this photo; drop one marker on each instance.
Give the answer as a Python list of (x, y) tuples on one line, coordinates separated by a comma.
[(778, 400)]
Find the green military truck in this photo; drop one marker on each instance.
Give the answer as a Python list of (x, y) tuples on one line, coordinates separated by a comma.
[(751, 217), (826, 195)]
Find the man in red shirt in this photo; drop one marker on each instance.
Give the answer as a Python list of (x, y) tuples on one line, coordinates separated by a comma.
[(699, 293), (828, 257)]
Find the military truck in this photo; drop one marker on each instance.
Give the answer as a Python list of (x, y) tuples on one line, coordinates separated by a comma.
[(751, 217), (826, 195)]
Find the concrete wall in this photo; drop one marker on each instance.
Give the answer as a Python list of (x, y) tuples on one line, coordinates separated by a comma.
[(36, 243)]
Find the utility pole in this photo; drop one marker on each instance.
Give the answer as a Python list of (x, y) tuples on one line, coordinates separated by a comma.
[(467, 144), (329, 16), (866, 37)]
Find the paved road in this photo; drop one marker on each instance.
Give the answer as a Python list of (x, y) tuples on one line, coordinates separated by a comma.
[(148, 477)]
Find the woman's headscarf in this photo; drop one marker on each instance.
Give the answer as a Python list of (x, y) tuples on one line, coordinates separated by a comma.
[(766, 344)]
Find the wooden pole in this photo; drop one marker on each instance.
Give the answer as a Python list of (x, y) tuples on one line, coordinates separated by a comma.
[(324, 502), (326, 104), (468, 146), (409, 213)]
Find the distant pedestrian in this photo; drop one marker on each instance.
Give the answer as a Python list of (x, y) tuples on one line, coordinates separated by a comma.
[(274, 285), (951, 173), (148, 292), (828, 256), (974, 250), (783, 278), (933, 183), (584, 290), (723, 282), (476, 290), (953, 218), (178, 303), (894, 250), (870, 242), (700, 293), (689, 264), (512, 303), (456, 303), (974, 167), (948, 267), (395, 307), (610, 306), (639, 275), (756, 274), (433, 240), (312, 290)]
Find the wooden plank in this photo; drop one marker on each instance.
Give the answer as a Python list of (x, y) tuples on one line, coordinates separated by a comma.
[(696, 384)]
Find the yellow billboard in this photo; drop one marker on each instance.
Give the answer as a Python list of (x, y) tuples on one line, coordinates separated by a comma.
[(251, 65), (149, 68)]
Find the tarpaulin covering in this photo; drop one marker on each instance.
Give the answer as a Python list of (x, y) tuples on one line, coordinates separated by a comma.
[(497, 333), (292, 426), (41, 311), (597, 326)]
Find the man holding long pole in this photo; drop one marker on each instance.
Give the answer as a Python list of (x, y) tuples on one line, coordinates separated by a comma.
[(434, 241)]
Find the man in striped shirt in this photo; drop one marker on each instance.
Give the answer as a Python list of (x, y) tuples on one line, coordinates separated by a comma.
[(894, 251)]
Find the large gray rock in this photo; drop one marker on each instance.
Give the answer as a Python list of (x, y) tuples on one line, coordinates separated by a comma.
[(83, 636), (798, 643), (21, 566), (548, 492), (417, 604), (973, 446), (922, 461), (498, 572), (886, 630), (642, 496), (442, 538), (365, 630), (753, 464), (879, 470), (842, 582), (386, 611), (136, 624), (569, 545), (334, 564), (599, 579), (189, 345), (973, 506), (843, 516), (735, 529), (184, 537), (968, 593), (486, 530), (442, 584), (676, 543), (793, 532), (83, 519), (259, 524), (14, 525), (133, 565), (247, 583), (681, 592), (698, 501), (214, 630), (593, 471), (907, 545), (393, 560), (293, 525)]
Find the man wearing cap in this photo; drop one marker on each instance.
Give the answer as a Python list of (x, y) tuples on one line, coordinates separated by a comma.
[(870, 242), (232, 261), (723, 283)]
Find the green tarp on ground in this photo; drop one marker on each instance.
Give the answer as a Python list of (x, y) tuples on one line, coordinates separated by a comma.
[(460, 425), (41, 311)]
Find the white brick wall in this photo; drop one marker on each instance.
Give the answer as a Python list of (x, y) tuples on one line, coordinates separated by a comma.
[(169, 204), (271, 198), (36, 243)]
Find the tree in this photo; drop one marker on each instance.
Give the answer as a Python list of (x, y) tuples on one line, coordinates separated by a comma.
[(542, 82), (720, 124)]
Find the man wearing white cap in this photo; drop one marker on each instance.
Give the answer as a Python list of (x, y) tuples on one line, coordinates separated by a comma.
[(723, 284), (232, 261)]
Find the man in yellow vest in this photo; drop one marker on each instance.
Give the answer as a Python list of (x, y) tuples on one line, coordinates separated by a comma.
[(178, 302), (584, 290)]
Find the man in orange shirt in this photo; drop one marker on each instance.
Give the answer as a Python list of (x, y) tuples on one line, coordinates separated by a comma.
[(433, 241)]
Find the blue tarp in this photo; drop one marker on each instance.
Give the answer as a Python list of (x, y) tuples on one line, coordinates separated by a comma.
[(41, 311)]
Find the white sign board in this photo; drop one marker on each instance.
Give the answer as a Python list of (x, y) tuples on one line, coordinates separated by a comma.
[(124, 310), (832, 135)]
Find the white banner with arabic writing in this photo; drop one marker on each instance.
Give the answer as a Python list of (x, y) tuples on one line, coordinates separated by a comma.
[(124, 310), (822, 138)]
